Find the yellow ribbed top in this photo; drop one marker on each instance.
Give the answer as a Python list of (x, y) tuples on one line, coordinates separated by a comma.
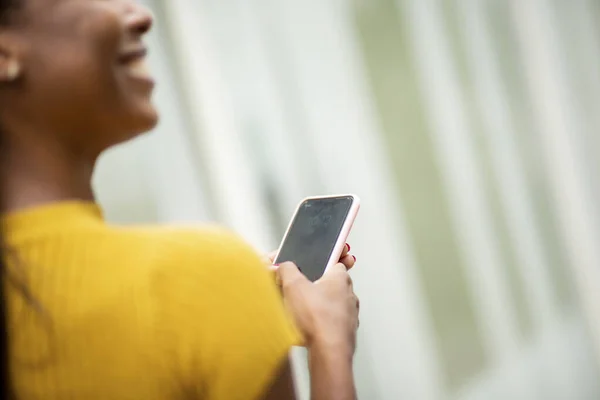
[(138, 313)]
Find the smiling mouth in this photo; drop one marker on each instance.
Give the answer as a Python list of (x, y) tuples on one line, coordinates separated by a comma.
[(135, 64)]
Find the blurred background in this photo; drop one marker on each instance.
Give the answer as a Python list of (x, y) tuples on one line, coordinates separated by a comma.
[(469, 128)]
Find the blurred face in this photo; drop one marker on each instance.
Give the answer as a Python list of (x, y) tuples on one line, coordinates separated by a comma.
[(83, 73)]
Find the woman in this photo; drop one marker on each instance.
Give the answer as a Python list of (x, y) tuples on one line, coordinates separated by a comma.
[(92, 311)]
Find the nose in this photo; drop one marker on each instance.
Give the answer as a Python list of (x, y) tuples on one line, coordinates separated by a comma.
[(139, 19)]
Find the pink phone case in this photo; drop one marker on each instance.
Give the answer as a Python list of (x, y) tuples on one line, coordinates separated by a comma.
[(344, 233)]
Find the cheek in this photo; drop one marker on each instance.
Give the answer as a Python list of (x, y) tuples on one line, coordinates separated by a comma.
[(105, 35), (76, 50)]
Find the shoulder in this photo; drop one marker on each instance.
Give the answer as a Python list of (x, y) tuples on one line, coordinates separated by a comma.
[(176, 248), (209, 248), (210, 258), (218, 312)]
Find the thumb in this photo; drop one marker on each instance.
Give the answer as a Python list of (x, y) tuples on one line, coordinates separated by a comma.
[(336, 269), (287, 273)]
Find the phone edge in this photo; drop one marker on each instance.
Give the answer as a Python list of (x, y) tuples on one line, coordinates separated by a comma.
[(345, 232)]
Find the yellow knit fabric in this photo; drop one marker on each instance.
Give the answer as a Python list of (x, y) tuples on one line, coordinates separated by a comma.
[(137, 313)]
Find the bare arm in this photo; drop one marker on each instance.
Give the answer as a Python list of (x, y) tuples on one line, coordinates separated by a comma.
[(327, 315), (331, 377), (283, 387), (331, 373)]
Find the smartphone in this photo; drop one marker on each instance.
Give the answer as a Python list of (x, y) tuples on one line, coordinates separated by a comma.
[(317, 233)]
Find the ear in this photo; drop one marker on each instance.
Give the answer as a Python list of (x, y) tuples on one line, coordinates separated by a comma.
[(10, 65)]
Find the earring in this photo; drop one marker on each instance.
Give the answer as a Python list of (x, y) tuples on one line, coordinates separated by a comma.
[(12, 71)]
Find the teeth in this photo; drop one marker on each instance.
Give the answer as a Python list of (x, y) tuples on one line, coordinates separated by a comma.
[(139, 68)]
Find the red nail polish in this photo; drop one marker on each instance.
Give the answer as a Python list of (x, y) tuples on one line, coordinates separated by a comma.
[(347, 245), (354, 258)]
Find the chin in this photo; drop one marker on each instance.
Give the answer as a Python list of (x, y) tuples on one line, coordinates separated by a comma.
[(138, 123), (150, 120), (145, 120)]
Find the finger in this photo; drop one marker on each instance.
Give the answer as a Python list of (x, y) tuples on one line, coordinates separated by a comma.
[(338, 272), (271, 256), (288, 273), (348, 261), (345, 251), (338, 268)]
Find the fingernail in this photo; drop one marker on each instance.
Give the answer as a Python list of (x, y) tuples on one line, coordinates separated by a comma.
[(347, 245), (354, 258)]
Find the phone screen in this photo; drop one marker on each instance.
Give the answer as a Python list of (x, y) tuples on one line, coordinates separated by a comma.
[(313, 234)]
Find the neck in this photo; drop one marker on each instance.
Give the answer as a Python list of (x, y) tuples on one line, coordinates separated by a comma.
[(41, 172)]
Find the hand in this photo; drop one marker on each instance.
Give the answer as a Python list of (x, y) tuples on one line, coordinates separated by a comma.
[(346, 258), (326, 312)]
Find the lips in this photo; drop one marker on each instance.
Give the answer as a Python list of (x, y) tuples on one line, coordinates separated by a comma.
[(132, 55), (135, 63)]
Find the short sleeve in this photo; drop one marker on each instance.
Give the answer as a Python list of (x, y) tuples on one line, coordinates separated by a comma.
[(222, 318)]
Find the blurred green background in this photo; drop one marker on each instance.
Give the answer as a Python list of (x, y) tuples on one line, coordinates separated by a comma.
[(468, 128)]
